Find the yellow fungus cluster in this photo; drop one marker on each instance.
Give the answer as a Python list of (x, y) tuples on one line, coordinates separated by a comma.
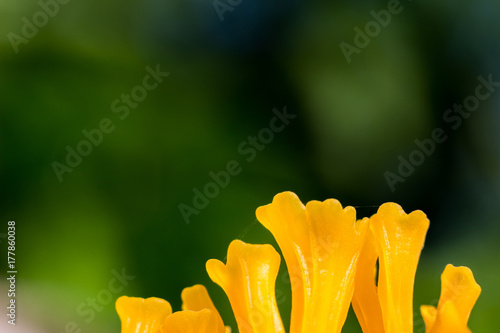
[(332, 261)]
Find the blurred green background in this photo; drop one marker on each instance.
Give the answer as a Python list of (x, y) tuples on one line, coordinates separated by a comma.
[(119, 207)]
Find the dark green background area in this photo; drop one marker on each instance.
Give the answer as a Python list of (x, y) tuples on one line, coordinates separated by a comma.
[(119, 208)]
